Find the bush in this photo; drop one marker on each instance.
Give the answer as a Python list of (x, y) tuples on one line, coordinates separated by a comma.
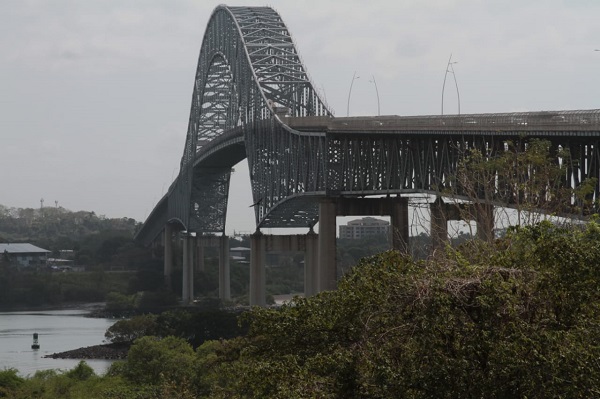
[(9, 381), (129, 330), (200, 326), (153, 301), (152, 360), (81, 372), (116, 302)]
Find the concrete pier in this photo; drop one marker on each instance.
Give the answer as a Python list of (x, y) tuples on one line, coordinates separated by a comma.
[(442, 212), (400, 224), (327, 271), (168, 255), (330, 208), (187, 290), (262, 244), (485, 222), (222, 243), (311, 262), (224, 273), (438, 230), (258, 253)]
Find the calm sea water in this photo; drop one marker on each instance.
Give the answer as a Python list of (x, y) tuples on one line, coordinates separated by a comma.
[(58, 331)]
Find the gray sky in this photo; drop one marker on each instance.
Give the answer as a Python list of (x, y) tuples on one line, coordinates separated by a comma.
[(95, 94)]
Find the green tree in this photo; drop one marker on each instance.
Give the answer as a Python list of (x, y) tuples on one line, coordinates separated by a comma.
[(128, 330), (81, 372), (153, 360)]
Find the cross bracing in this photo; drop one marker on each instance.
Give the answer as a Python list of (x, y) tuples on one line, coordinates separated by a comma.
[(252, 98)]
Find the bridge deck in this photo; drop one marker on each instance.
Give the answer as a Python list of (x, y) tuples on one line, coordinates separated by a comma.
[(552, 123)]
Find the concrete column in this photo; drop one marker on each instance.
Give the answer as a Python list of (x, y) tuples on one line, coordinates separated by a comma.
[(327, 276), (185, 289), (168, 255), (439, 224), (311, 259), (485, 222), (224, 279), (191, 252), (200, 266), (258, 253), (400, 225)]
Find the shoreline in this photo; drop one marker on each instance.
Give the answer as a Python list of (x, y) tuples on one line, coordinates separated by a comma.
[(89, 306)]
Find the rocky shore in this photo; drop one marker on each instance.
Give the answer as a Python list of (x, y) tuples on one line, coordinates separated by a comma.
[(113, 351)]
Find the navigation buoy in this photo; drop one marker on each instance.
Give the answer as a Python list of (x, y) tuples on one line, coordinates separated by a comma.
[(35, 344)]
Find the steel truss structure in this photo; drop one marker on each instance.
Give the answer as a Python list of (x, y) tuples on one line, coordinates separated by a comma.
[(248, 69), (253, 99)]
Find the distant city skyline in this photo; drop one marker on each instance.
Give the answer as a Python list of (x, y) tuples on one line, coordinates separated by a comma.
[(96, 95)]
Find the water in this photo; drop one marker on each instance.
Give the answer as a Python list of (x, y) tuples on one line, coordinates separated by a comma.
[(58, 330)]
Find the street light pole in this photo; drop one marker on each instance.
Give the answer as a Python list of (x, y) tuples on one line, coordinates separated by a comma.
[(456, 84), (450, 68), (376, 92), (354, 77)]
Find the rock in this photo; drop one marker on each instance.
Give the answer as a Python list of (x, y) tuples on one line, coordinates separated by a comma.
[(115, 351)]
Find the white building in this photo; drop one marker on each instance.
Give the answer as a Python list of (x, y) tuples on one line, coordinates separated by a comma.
[(367, 226), (240, 254), (24, 255)]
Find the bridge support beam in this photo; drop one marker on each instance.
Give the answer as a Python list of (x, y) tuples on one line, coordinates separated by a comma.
[(258, 253), (330, 208), (168, 256), (327, 270), (311, 262), (485, 222), (262, 244), (224, 275), (187, 290), (222, 243), (199, 265), (399, 224), (438, 224), (441, 213)]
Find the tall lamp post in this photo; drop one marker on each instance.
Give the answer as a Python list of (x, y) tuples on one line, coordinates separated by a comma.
[(354, 77), (450, 69), (376, 92)]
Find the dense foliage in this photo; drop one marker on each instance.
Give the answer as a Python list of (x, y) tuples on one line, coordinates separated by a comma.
[(513, 319), (194, 325), (519, 319)]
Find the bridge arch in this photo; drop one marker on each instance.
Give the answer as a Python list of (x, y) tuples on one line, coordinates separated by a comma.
[(248, 68)]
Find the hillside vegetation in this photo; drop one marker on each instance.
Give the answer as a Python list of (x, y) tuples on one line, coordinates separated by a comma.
[(96, 243)]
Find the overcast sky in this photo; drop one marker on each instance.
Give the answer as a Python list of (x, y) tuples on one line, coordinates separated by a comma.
[(95, 95)]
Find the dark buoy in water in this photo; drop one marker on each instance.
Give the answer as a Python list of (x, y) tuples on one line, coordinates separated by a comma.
[(35, 344)]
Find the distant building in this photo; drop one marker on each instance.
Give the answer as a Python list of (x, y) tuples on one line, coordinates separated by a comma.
[(24, 255), (367, 226), (239, 254)]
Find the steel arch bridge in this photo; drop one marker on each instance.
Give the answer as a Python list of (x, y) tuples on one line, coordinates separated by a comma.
[(253, 99)]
